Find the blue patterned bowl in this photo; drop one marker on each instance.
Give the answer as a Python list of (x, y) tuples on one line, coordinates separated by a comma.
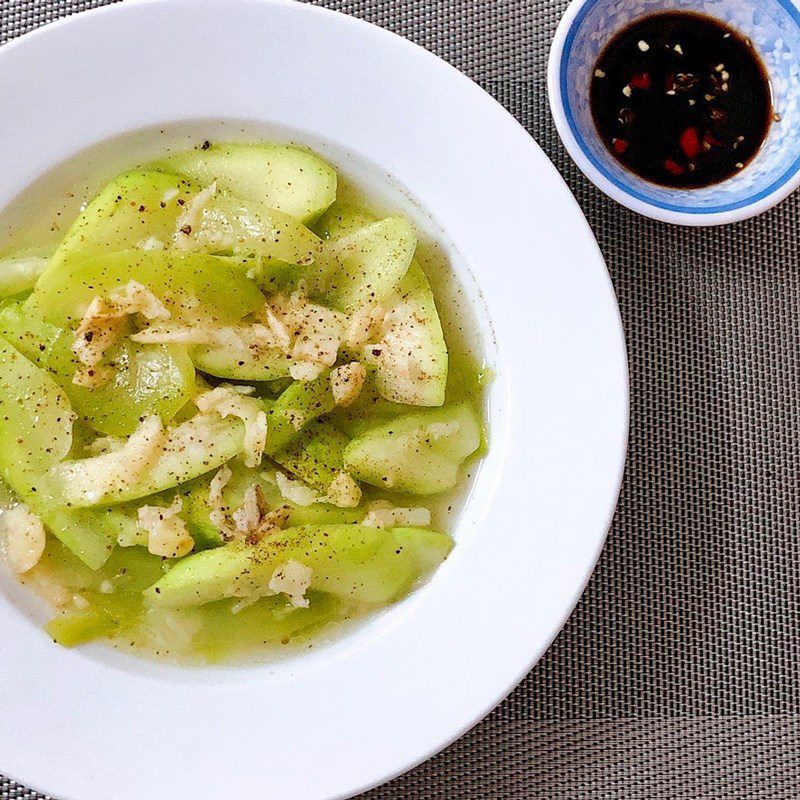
[(774, 28)]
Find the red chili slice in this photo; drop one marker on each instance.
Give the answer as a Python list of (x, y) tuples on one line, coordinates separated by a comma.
[(620, 146), (641, 81), (673, 167), (690, 143), (710, 139)]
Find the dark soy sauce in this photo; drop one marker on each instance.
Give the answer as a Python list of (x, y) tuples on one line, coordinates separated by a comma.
[(681, 99)]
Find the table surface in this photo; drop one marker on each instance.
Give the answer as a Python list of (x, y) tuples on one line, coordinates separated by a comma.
[(678, 675)]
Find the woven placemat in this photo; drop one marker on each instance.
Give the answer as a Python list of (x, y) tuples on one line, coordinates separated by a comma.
[(678, 675)]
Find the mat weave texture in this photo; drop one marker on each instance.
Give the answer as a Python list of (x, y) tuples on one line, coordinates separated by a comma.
[(678, 675)]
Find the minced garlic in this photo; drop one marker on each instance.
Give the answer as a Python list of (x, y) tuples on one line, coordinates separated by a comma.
[(167, 534), (25, 538), (226, 401), (347, 382), (384, 515), (293, 580)]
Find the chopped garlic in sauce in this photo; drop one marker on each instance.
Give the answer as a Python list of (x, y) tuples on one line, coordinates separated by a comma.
[(105, 322), (384, 515), (24, 538), (343, 492), (293, 580), (347, 382), (226, 401), (167, 534)]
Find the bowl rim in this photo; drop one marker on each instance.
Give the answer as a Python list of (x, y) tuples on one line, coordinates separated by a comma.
[(592, 168), (49, 696)]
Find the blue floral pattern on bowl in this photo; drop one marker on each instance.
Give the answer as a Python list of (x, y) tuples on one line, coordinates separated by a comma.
[(774, 28)]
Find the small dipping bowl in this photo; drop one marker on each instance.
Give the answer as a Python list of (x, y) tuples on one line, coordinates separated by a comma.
[(773, 26)]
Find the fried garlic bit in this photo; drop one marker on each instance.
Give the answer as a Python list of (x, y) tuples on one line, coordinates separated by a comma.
[(310, 334), (347, 382), (292, 579), (343, 491), (167, 534), (252, 520), (24, 538), (104, 324), (383, 514), (227, 401)]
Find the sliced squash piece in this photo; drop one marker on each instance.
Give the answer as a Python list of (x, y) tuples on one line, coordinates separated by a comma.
[(19, 273), (298, 405), (365, 266), (35, 435), (225, 634), (361, 564), (419, 453), (342, 219), (409, 361), (248, 359), (315, 456), (136, 208), (149, 462), (194, 287), (142, 379), (219, 222), (286, 178)]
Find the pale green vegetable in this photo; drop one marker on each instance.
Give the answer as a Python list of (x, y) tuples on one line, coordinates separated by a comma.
[(342, 219), (194, 287), (35, 421), (19, 273), (428, 548), (315, 456), (365, 266), (226, 223), (409, 365), (282, 177), (419, 453), (203, 443), (137, 208), (297, 406), (111, 594), (360, 564), (268, 621), (35, 435), (144, 379), (245, 360), (90, 534)]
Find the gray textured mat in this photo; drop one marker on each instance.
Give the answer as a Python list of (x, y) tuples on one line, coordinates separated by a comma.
[(678, 674)]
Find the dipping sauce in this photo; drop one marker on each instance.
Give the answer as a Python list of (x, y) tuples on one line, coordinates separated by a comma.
[(681, 99)]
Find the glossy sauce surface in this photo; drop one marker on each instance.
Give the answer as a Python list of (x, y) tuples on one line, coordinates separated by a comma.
[(681, 99)]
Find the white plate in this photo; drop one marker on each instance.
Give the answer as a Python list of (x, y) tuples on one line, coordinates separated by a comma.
[(92, 724)]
